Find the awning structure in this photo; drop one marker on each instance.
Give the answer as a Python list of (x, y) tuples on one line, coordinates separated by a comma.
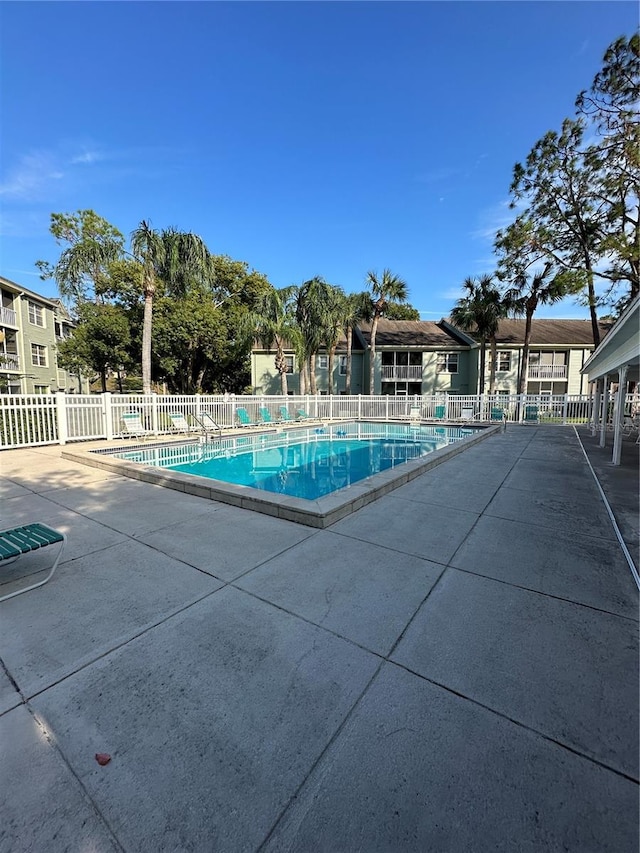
[(617, 359)]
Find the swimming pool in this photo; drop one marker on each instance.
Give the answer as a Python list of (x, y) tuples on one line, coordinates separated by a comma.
[(313, 476), (302, 463)]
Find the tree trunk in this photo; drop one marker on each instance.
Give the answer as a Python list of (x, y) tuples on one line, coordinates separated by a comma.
[(524, 367), (595, 328), (347, 386), (372, 355), (332, 355), (103, 378), (281, 367), (313, 385), (147, 325)]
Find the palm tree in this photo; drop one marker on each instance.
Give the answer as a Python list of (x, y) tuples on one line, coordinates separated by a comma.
[(480, 312), (388, 288), (332, 332), (313, 299), (357, 308), (272, 321), (523, 299), (170, 256)]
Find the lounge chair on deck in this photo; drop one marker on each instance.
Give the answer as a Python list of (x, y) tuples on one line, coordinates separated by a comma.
[(284, 414), (415, 414), (531, 415), (243, 417), (439, 412), (132, 426), (179, 423), (301, 415), (265, 414), (18, 541)]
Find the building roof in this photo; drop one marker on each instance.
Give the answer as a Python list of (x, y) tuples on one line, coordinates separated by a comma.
[(410, 333), (549, 332)]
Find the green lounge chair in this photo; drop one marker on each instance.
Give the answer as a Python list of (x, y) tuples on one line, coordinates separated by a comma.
[(531, 415), (440, 412), (18, 541), (284, 414), (243, 416), (265, 414), (301, 415)]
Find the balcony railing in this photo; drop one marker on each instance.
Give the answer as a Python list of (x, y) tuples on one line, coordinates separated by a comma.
[(7, 317), (9, 361), (547, 371), (402, 371)]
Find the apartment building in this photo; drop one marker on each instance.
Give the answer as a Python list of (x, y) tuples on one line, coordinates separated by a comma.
[(31, 326), (426, 357)]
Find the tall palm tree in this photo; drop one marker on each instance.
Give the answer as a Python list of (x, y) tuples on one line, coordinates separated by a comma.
[(272, 322), (313, 299), (168, 256), (357, 308), (148, 248), (524, 298), (332, 331), (387, 288), (480, 312)]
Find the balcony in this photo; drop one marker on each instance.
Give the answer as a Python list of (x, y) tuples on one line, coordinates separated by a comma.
[(9, 361), (547, 371), (7, 317), (411, 372)]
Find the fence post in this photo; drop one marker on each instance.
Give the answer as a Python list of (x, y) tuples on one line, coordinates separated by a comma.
[(154, 412), (565, 409), (61, 414), (446, 405), (386, 408), (359, 407), (198, 405), (107, 415)]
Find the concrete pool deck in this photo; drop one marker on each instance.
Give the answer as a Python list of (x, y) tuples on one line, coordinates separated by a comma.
[(451, 668)]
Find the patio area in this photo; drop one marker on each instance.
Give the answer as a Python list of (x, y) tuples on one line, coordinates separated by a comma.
[(453, 667)]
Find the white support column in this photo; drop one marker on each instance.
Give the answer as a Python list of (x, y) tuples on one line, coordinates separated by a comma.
[(605, 412), (107, 415), (618, 414), (595, 409)]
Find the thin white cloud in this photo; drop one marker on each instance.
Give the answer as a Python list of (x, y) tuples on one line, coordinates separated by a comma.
[(88, 157), (32, 176)]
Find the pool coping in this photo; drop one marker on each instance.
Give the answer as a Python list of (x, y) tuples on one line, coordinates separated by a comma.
[(319, 513)]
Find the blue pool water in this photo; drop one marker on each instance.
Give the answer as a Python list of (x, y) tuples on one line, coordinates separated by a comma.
[(303, 463)]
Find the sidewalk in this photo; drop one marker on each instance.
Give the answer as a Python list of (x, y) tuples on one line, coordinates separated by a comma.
[(452, 668)]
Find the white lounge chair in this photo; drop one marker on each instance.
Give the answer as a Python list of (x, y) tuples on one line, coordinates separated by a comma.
[(132, 426), (179, 423)]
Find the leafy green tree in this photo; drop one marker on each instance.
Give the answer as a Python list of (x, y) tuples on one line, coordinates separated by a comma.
[(565, 219), (480, 312), (99, 343), (611, 105), (91, 245), (385, 289), (397, 311)]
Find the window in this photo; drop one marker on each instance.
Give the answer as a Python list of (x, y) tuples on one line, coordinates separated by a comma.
[(504, 362), (343, 365), (38, 355), (447, 362), (40, 389), (58, 329), (323, 361), (36, 314), (288, 360)]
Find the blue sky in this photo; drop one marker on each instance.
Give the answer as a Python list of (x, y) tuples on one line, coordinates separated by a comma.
[(305, 138)]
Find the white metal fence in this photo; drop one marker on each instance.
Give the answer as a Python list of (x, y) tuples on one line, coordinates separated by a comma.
[(30, 420)]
